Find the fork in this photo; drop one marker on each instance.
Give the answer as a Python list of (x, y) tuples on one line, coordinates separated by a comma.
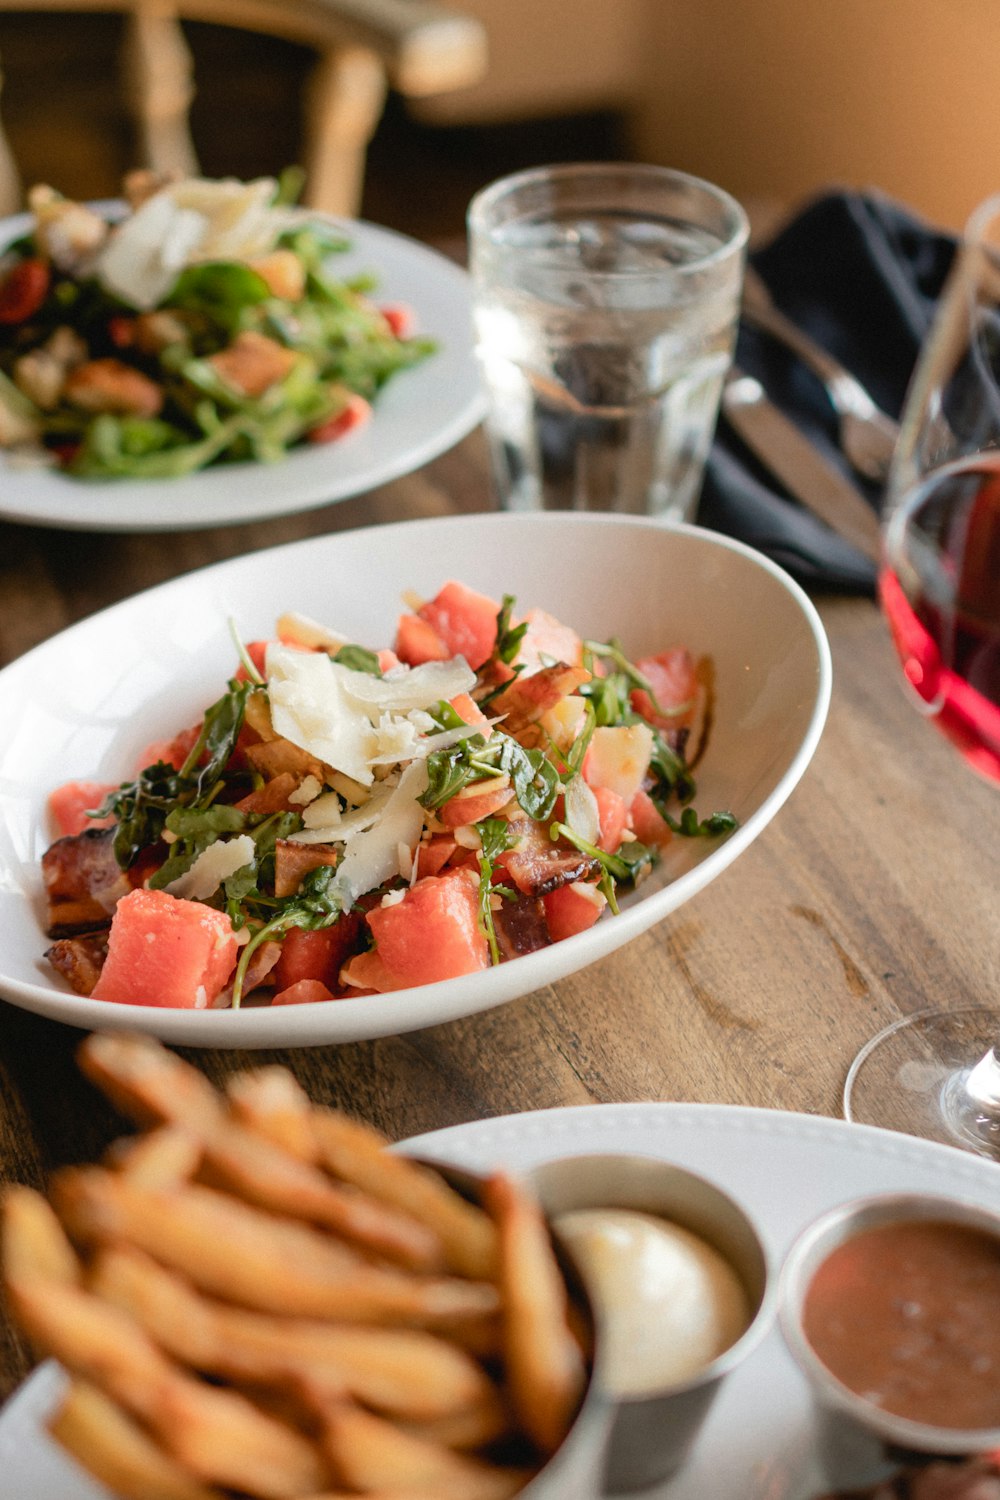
[(867, 434)]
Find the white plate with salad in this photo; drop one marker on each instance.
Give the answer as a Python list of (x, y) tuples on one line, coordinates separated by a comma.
[(418, 412), (86, 704)]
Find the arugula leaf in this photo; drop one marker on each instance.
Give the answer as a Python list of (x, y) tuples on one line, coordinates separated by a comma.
[(693, 827), (509, 637), (143, 806), (358, 659), (220, 290), (193, 829), (219, 731), (535, 779), (612, 651), (449, 770), (315, 905), (609, 698), (632, 862), (673, 780), (494, 838)]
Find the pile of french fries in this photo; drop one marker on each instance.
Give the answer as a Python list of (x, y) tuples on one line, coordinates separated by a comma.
[(252, 1297)]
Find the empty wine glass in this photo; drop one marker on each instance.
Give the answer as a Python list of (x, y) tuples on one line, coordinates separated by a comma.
[(937, 1073)]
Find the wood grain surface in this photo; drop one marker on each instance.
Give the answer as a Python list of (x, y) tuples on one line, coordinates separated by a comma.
[(872, 894)]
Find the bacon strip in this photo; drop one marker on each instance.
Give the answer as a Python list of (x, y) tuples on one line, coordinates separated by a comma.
[(82, 882)]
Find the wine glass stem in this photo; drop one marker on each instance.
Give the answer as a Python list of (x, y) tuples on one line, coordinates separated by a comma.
[(970, 1103)]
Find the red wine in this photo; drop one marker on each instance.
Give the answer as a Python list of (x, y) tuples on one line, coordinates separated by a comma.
[(940, 591)]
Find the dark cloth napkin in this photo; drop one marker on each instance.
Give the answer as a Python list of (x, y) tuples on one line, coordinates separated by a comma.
[(861, 274)]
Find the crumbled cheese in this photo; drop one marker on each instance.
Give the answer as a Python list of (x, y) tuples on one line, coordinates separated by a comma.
[(396, 739), (213, 865), (467, 837), (392, 898), (323, 813), (307, 791)]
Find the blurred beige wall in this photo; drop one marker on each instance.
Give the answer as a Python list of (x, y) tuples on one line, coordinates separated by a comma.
[(775, 99)]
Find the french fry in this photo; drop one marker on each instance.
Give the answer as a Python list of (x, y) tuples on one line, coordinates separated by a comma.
[(162, 1158), (356, 1153), (369, 1453), (271, 1101), (217, 1434), (403, 1372), (255, 1300), (222, 1437), (477, 1428), (153, 1083), (35, 1246), (243, 1254), (265, 1174), (90, 1338), (117, 1451), (545, 1367), (149, 1084)]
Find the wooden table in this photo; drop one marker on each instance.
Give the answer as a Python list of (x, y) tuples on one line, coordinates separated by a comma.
[(872, 894)]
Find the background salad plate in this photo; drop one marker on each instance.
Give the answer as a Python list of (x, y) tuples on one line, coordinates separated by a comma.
[(85, 704), (783, 1168), (420, 413)]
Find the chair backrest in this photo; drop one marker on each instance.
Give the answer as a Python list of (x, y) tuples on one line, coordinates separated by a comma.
[(363, 47)]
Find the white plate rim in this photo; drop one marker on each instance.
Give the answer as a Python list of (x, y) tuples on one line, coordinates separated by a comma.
[(407, 1010), (420, 414), (756, 1440)]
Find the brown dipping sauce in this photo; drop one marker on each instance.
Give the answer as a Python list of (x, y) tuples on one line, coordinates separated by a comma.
[(907, 1315)]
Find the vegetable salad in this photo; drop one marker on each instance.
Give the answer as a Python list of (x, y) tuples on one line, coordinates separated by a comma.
[(206, 324), (347, 821)]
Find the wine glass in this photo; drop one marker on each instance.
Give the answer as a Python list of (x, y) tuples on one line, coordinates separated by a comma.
[(937, 1073)]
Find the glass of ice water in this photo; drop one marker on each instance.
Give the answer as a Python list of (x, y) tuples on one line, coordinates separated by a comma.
[(606, 298)]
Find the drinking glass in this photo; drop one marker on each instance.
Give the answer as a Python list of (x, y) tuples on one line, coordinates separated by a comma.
[(937, 1073), (605, 300)]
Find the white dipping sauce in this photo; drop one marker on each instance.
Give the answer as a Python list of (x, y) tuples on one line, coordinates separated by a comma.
[(667, 1303)]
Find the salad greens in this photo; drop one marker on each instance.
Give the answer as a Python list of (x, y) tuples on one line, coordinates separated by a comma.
[(369, 820), (235, 356)]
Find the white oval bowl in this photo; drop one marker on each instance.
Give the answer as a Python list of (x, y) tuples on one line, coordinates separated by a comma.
[(84, 704)]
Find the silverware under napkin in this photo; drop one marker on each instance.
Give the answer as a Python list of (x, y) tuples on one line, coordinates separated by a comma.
[(867, 434), (801, 468)]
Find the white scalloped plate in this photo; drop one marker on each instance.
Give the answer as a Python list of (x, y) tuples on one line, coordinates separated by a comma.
[(785, 1169), (85, 705), (420, 413)]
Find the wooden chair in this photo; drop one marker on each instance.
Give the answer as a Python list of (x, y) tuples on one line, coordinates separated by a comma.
[(363, 47)]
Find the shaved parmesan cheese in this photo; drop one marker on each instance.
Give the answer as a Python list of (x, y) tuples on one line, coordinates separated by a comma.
[(186, 222), (213, 865), (406, 688), (373, 857), (353, 721), (310, 707)]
